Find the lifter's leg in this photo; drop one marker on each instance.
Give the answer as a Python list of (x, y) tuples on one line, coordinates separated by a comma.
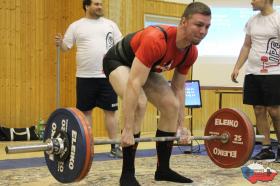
[(160, 95), (118, 79)]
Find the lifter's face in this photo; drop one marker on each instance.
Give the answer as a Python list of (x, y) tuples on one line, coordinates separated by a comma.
[(195, 28), (95, 9), (259, 4)]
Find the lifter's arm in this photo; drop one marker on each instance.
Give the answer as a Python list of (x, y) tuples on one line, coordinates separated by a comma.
[(178, 87), (137, 77)]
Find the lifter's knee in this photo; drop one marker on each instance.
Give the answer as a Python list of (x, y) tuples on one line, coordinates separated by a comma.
[(141, 105), (169, 107)]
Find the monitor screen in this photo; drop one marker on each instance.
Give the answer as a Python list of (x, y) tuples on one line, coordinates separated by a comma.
[(192, 94)]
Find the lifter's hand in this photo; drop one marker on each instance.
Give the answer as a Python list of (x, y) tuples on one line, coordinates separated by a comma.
[(127, 138), (58, 40), (234, 75), (184, 134)]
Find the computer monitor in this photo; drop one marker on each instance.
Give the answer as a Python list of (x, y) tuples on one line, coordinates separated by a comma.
[(192, 94)]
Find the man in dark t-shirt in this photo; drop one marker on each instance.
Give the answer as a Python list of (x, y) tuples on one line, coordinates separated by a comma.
[(133, 67)]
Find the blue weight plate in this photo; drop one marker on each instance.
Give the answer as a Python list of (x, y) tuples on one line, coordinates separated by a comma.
[(80, 158)]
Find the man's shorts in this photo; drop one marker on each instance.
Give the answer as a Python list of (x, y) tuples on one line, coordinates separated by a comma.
[(262, 90), (95, 92), (112, 60)]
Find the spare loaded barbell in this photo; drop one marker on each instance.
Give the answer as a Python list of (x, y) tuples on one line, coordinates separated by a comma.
[(69, 145)]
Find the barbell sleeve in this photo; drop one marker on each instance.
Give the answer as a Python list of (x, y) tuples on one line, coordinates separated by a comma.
[(29, 148), (51, 146)]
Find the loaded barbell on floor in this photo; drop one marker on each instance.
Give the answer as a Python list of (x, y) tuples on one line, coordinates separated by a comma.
[(69, 145)]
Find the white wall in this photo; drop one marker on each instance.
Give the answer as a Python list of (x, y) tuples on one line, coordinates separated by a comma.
[(215, 70)]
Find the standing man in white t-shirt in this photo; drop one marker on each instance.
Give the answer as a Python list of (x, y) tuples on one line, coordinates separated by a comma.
[(262, 80), (94, 35)]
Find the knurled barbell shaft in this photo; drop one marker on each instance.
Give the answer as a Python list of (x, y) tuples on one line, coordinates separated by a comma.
[(47, 146), (171, 138), (151, 139)]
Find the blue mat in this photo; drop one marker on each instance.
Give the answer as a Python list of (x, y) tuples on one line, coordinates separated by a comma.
[(38, 162)]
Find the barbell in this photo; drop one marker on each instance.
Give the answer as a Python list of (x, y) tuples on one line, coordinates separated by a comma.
[(68, 143)]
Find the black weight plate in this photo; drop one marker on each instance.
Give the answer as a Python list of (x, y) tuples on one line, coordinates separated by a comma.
[(80, 158)]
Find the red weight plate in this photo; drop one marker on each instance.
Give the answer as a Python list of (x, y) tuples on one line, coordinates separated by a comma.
[(89, 142), (239, 147)]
